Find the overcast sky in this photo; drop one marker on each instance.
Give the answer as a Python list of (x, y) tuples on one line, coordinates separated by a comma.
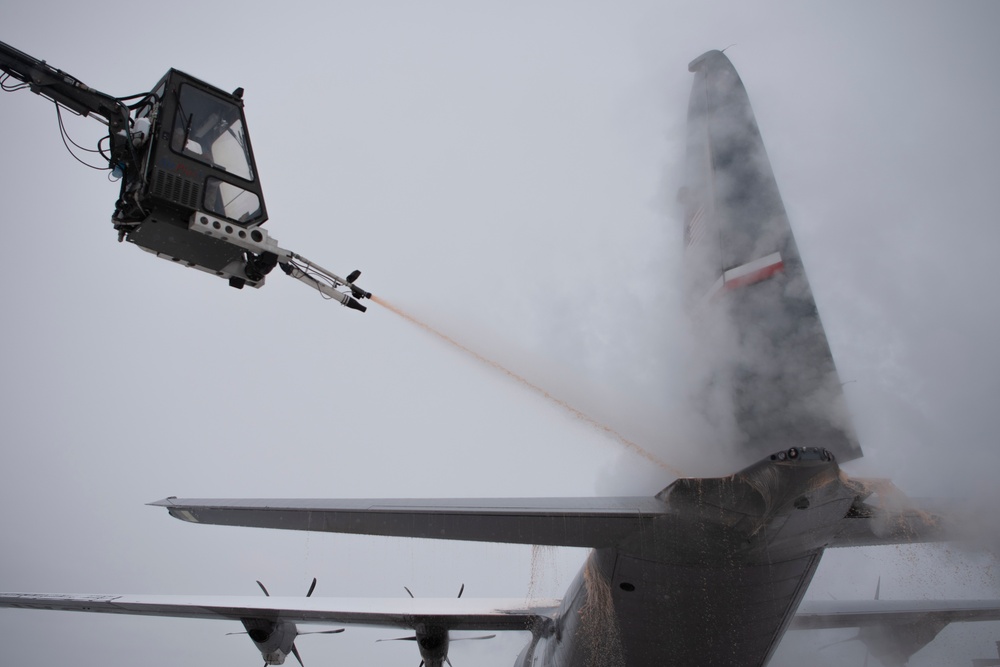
[(507, 172)]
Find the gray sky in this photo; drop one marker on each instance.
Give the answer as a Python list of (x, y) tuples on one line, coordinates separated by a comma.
[(505, 171)]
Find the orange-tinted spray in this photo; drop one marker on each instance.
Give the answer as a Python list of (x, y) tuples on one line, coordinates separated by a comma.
[(613, 434)]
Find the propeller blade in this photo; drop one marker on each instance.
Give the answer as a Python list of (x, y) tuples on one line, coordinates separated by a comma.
[(878, 586), (408, 591), (458, 639), (321, 632), (298, 657), (397, 639), (461, 590), (312, 587), (263, 589), (235, 633)]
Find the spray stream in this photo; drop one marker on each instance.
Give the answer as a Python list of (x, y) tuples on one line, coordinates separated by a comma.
[(604, 428)]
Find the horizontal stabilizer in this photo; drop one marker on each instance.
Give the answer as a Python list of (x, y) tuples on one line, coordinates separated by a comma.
[(879, 515), (895, 527), (882, 514), (451, 613), (566, 522)]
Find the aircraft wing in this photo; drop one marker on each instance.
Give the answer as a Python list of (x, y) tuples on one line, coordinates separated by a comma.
[(451, 613), (825, 614), (893, 630), (566, 522)]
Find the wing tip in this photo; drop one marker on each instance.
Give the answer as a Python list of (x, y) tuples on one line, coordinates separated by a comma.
[(178, 510)]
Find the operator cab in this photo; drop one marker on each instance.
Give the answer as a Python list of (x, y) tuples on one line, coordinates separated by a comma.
[(193, 157)]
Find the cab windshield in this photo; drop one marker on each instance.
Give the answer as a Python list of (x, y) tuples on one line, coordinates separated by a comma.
[(210, 130)]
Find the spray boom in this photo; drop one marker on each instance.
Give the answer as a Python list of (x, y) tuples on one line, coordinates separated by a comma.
[(266, 253)]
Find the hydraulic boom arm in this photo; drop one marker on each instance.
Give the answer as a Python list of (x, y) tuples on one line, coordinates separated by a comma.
[(60, 87)]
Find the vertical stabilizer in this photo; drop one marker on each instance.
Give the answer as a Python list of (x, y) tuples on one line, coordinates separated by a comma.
[(769, 363)]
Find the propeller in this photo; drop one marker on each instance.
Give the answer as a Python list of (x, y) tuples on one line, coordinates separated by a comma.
[(405, 588), (433, 634), (465, 639), (309, 593), (295, 650), (298, 657)]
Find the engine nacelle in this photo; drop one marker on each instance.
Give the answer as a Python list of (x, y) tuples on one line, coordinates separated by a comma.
[(274, 639), (432, 640)]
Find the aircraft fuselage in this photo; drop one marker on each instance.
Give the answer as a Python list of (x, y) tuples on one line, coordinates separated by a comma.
[(713, 581)]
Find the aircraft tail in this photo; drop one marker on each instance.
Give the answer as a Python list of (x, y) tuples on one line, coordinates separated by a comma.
[(770, 364)]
